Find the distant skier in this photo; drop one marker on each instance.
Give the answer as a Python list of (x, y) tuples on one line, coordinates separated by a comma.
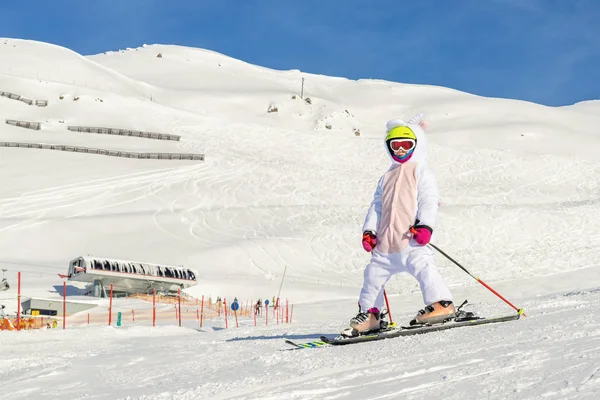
[(258, 307), (406, 196)]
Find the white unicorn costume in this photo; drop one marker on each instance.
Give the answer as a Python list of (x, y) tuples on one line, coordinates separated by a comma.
[(406, 195)]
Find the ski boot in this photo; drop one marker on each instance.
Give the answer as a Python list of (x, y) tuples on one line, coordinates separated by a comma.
[(365, 322), (435, 313)]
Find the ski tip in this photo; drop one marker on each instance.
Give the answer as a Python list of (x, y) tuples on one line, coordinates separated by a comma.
[(521, 311), (313, 344), (324, 339)]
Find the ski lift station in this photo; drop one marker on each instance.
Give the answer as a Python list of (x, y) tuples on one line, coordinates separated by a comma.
[(129, 277)]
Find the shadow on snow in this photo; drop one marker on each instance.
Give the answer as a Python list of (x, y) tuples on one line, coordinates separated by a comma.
[(280, 337)]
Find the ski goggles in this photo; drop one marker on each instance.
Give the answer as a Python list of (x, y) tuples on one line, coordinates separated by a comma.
[(404, 144)]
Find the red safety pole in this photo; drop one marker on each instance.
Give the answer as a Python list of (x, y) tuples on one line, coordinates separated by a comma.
[(202, 311), (225, 311), (18, 301), (236, 319), (153, 307), (88, 318), (64, 304), (110, 305), (179, 303), (287, 310), (267, 314)]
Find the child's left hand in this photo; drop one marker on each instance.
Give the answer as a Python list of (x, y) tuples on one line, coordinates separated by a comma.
[(422, 234)]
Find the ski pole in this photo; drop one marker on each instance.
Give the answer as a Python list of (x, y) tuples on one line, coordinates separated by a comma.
[(519, 310), (387, 304)]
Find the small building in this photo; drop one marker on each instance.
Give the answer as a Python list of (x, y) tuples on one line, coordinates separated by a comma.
[(52, 307)]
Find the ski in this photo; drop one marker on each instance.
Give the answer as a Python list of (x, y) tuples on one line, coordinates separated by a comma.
[(416, 330), (320, 343), (307, 345)]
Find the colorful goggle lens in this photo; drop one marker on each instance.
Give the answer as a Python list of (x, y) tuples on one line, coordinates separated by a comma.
[(405, 144)]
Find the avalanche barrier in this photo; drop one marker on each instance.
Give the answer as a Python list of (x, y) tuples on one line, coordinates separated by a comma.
[(25, 124), (124, 132), (105, 152)]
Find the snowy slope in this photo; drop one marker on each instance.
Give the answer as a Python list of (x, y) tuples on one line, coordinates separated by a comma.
[(519, 186)]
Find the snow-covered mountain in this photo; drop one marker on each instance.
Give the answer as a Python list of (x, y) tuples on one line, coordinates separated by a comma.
[(519, 200)]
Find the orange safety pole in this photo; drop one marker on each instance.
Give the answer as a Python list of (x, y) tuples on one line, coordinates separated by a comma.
[(153, 307), (225, 311), (64, 304), (202, 311), (19, 301), (132, 316), (110, 305), (88, 318), (179, 302), (267, 314)]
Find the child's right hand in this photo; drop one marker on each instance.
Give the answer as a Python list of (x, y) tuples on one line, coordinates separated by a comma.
[(369, 240)]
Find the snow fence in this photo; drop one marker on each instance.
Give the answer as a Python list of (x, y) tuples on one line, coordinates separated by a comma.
[(24, 124), (124, 132), (18, 97), (105, 152)]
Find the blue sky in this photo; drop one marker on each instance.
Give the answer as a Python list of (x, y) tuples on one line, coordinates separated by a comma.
[(546, 51)]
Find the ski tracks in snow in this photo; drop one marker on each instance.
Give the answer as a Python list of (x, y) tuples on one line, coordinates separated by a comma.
[(528, 200), (84, 198), (547, 355), (553, 354)]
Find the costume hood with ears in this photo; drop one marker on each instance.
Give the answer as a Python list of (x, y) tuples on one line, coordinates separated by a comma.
[(419, 153)]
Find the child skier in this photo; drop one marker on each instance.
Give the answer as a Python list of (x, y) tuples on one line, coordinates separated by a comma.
[(406, 196)]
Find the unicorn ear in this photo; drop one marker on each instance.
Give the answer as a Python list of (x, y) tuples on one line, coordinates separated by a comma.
[(416, 119), (394, 123)]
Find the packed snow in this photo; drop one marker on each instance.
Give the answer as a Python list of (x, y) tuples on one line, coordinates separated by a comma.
[(519, 205)]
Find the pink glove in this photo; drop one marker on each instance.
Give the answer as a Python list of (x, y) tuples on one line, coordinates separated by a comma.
[(422, 234), (369, 240)]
